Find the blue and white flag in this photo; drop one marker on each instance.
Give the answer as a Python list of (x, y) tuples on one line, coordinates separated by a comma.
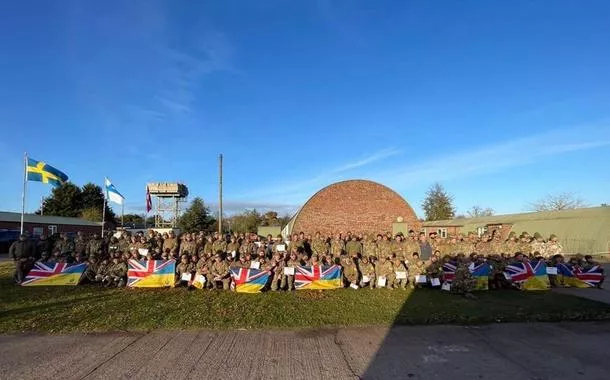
[(112, 193)]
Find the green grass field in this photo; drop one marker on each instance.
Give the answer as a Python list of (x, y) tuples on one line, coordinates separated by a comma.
[(91, 308)]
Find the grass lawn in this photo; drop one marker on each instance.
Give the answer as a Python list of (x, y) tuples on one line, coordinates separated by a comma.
[(91, 308)]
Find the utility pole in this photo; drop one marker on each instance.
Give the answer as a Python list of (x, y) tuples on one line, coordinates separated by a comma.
[(220, 195)]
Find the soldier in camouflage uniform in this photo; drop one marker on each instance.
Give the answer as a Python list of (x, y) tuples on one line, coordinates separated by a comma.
[(220, 272), (293, 262), (399, 266), (537, 245), (80, 244), (319, 246), (171, 243), (552, 247), (277, 278), (416, 268), (367, 269), (384, 247), (94, 246), (116, 272), (353, 248), (184, 267), (337, 246), (350, 271), (369, 246), (233, 247), (434, 268), (463, 282), (385, 269)]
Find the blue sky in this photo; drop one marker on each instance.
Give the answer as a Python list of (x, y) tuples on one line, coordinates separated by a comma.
[(501, 102)]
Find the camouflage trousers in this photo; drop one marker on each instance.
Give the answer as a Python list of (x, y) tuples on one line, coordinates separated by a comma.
[(278, 282), (287, 281), (370, 284)]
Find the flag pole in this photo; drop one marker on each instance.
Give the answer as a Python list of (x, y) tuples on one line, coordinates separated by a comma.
[(25, 181), (104, 210), (122, 214)]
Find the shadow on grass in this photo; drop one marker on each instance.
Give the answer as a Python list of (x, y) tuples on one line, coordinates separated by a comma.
[(51, 307)]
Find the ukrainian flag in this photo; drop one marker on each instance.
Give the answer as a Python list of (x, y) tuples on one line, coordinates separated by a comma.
[(39, 171)]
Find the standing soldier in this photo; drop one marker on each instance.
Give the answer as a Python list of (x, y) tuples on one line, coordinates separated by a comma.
[(553, 247), (416, 268), (233, 247), (171, 243), (463, 282), (80, 244), (385, 271), (369, 247), (384, 246), (293, 262), (337, 246), (219, 245), (277, 265), (353, 248), (23, 253), (397, 246), (94, 246), (399, 266), (220, 272), (319, 246), (537, 245), (510, 245)]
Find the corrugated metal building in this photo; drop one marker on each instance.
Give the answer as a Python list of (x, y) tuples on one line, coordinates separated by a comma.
[(37, 225), (585, 230)]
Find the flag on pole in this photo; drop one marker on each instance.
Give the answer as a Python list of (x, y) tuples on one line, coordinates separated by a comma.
[(148, 200), (112, 193), (39, 171)]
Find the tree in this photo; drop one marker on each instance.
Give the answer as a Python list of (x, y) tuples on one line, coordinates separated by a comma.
[(557, 202), (93, 198), (65, 200), (196, 217), (247, 221), (92, 214), (270, 219), (438, 204), (478, 211)]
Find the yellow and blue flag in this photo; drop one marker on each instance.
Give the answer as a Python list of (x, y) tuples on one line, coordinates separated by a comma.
[(249, 280), (577, 277), (39, 171), (151, 273), (481, 273), (54, 274), (318, 277)]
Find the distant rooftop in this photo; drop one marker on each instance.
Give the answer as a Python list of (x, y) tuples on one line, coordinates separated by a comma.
[(6, 216)]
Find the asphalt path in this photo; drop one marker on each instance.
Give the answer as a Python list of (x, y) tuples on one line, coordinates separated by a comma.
[(502, 351)]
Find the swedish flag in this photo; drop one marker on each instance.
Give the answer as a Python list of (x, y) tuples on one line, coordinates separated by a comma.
[(38, 171)]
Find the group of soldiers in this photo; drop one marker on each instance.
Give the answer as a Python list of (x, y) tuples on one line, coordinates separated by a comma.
[(381, 260)]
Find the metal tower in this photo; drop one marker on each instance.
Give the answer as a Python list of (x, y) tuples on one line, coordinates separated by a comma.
[(168, 204)]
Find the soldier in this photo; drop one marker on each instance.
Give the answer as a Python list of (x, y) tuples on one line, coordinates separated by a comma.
[(337, 246), (553, 247), (102, 269), (23, 253), (202, 269), (319, 246), (219, 245), (288, 280), (233, 247), (277, 265), (170, 243), (463, 282), (353, 248), (66, 246), (369, 246), (91, 270), (384, 246), (399, 266), (537, 245), (350, 271), (385, 271), (187, 246), (434, 268), (116, 272), (510, 245), (185, 267), (220, 272), (425, 248), (94, 246), (43, 247), (416, 268), (367, 270), (80, 244)]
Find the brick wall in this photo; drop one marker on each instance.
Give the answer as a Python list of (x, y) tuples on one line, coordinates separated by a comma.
[(358, 206)]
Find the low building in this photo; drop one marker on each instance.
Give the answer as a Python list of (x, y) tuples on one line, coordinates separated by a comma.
[(585, 230), (37, 225)]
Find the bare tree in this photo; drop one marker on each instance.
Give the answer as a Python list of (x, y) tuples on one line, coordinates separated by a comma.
[(557, 202), (478, 211)]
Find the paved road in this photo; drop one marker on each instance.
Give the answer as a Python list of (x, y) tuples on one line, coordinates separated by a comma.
[(509, 351)]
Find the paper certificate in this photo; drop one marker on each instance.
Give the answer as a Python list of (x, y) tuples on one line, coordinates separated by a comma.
[(143, 251), (289, 271), (353, 286), (280, 248), (435, 282), (200, 278), (401, 275), (366, 279), (255, 265), (233, 254), (551, 270), (421, 279), (381, 281), (446, 286), (186, 277)]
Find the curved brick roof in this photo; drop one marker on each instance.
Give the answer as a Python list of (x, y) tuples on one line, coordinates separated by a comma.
[(353, 205)]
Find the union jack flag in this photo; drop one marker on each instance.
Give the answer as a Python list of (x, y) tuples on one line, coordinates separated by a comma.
[(449, 271), (318, 277), (54, 274), (249, 280), (591, 277), (151, 273), (529, 275)]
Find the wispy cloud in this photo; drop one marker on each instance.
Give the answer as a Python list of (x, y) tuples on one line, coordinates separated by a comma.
[(235, 206)]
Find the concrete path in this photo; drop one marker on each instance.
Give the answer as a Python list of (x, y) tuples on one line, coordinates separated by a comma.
[(508, 351)]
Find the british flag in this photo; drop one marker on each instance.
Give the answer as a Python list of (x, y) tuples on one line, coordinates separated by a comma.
[(317, 277), (579, 277), (249, 280), (529, 275), (54, 274), (449, 271), (151, 273)]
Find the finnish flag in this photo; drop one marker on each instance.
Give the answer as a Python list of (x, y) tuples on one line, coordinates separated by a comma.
[(112, 193)]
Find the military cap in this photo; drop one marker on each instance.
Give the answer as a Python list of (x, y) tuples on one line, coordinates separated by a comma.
[(553, 236), (537, 235)]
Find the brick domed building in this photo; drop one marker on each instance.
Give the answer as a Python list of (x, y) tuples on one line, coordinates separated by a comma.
[(359, 206)]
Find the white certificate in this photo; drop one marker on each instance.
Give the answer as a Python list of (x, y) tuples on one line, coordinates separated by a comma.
[(366, 279), (435, 282), (258, 243), (401, 275), (381, 281), (200, 278), (280, 248), (186, 277), (289, 271), (143, 251), (421, 279), (353, 286), (446, 286), (255, 265), (551, 270)]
